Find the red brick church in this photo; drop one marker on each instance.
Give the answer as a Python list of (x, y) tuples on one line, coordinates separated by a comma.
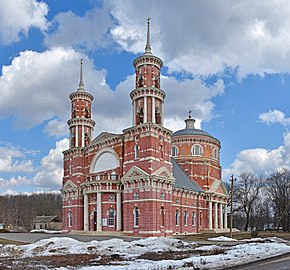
[(146, 181)]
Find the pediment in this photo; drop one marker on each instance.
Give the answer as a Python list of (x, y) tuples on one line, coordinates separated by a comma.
[(104, 136), (135, 172), (218, 187), (163, 172), (69, 185)]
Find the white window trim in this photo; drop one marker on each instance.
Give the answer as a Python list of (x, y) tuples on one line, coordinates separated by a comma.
[(176, 148), (193, 152)]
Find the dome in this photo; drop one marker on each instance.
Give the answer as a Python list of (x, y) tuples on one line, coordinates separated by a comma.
[(190, 129)]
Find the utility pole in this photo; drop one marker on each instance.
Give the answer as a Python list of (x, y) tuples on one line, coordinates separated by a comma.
[(231, 213)]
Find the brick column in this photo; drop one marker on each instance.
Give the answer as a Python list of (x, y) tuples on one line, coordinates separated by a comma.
[(215, 215), (210, 215), (99, 211), (119, 214), (86, 212)]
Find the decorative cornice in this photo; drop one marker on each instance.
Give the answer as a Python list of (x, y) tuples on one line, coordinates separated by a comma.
[(81, 95), (148, 59), (147, 127), (81, 120), (145, 91)]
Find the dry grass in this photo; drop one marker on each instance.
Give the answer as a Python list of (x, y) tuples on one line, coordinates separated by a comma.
[(10, 242), (236, 235)]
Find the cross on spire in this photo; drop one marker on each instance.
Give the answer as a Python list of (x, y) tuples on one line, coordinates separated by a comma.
[(189, 114)]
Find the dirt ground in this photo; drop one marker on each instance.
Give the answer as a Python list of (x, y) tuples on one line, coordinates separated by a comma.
[(94, 259)]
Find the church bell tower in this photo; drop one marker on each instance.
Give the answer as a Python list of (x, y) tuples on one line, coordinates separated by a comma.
[(80, 124), (147, 97)]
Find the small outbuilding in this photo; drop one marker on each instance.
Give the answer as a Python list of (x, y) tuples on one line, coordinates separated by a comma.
[(3, 226), (47, 223)]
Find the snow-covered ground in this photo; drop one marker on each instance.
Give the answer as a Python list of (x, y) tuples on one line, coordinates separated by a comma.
[(135, 254), (45, 231)]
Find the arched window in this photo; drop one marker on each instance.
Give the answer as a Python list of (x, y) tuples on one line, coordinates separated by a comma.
[(196, 150), (174, 151), (193, 219), (69, 219), (136, 150), (177, 215), (185, 218), (215, 153), (136, 216), (105, 160), (162, 212), (161, 152), (200, 219), (111, 217)]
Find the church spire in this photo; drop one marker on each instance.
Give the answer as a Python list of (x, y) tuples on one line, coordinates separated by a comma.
[(148, 46), (81, 84)]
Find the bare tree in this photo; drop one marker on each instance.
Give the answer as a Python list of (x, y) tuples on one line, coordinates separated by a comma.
[(278, 187), (19, 210), (247, 188)]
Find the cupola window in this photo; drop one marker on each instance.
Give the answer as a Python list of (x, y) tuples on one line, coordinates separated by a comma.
[(215, 153), (197, 150), (174, 151)]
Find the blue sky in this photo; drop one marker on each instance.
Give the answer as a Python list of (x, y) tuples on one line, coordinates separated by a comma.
[(227, 61)]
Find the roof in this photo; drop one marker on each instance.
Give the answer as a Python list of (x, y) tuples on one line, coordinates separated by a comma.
[(182, 180), (191, 131), (46, 219)]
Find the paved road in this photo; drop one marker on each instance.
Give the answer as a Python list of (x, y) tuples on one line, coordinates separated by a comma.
[(277, 263), (32, 237)]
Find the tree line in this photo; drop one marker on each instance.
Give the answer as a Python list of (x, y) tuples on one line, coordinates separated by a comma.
[(18, 211), (262, 203)]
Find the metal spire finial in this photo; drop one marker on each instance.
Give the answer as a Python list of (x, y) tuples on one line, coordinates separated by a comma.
[(81, 84), (189, 114), (148, 47)]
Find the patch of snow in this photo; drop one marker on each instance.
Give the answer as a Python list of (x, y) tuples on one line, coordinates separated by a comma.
[(129, 251), (45, 231), (222, 238)]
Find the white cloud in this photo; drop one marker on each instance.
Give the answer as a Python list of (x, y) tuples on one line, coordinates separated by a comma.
[(194, 95), (9, 186), (92, 28), (204, 37), (56, 128), (261, 161), (50, 173), (18, 16), (36, 86), (275, 116), (15, 181), (13, 159)]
